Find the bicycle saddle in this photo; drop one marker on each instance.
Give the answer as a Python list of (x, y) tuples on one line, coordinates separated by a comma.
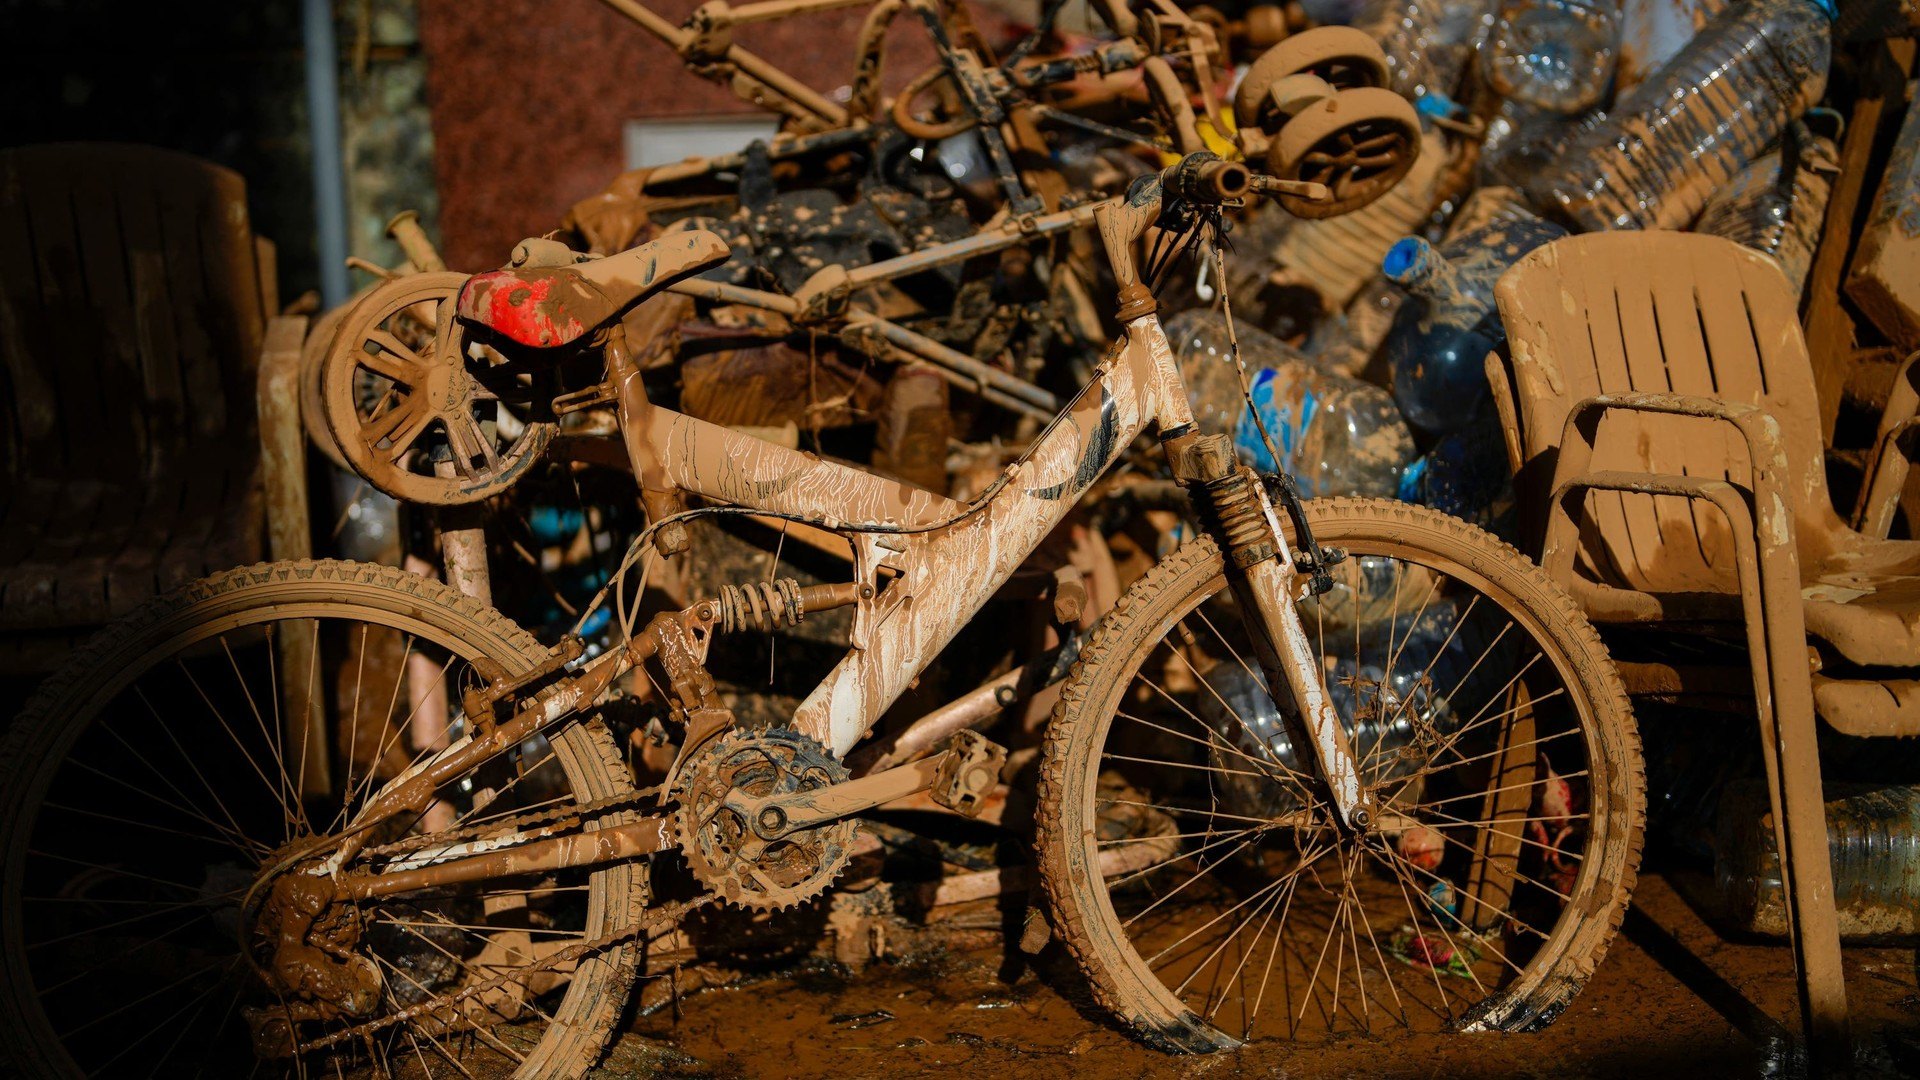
[(549, 306)]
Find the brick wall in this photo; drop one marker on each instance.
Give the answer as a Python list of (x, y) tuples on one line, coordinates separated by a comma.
[(529, 101)]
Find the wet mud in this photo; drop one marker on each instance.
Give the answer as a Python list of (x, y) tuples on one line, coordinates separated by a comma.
[(1672, 998)]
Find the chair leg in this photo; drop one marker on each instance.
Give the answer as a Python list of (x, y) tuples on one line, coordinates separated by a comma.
[(1783, 694), (1806, 870)]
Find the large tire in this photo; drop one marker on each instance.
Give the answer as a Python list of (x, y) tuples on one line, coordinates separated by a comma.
[(39, 741), (1083, 910)]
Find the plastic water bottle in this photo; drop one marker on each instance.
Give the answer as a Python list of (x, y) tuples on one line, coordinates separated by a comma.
[(1873, 838), (1671, 142), (1346, 342), (1386, 716), (1651, 31), (1336, 435), (1440, 339), (1524, 139), (1428, 43), (1554, 54), (1466, 474), (1777, 204), (1408, 686), (1205, 357)]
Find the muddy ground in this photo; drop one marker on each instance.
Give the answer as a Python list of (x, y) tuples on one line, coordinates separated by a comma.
[(1673, 998)]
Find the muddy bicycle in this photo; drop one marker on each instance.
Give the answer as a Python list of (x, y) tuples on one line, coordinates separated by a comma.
[(1433, 821)]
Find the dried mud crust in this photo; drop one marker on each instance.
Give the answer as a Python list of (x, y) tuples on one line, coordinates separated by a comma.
[(45, 728), (1083, 919)]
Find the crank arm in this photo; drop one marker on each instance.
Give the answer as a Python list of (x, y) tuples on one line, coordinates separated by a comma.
[(960, 780)]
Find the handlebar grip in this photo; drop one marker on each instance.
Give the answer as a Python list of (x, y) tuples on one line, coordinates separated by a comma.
[(1207, 178)]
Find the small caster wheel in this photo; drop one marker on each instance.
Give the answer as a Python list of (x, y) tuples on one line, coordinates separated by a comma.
[(1346, 58), (414, 414), (1358, 143)]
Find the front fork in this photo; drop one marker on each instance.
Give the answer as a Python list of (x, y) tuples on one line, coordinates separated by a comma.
[(1267, 583)]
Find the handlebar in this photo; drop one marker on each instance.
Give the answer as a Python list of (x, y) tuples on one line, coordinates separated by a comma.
[(1208, 179)]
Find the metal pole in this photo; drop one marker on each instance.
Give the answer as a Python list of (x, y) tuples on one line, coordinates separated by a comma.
[(329, 157)]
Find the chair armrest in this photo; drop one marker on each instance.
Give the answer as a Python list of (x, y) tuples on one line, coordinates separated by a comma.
[(1573, 473), (1766, 452), (1500, 385), (1887, 468)]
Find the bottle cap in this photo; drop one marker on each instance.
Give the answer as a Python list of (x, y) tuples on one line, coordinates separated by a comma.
[(1409, 260)]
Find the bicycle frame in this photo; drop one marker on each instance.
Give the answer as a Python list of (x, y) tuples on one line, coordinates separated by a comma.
[(946, 560), (956, 556)]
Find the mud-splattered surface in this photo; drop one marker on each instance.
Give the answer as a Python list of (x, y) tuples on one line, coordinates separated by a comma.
[(1671, 999)]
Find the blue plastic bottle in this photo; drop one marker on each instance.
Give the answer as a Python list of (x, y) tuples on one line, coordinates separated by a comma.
[(1438, 346)]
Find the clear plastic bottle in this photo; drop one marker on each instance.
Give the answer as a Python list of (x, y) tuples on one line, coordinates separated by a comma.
[(1777, 204), (1524, 139), (1407, 686), (1428, 43), (1205, 357), (1553, 54), (1873, 839), (1671, 142), (1336, 435), (1438, 346), (1651, 31), (1347, 342), (1384, 716)]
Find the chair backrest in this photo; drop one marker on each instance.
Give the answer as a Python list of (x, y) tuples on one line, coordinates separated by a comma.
[(1661, 312), (131, 312)]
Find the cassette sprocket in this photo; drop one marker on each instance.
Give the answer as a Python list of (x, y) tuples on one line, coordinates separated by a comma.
[(720, 846)]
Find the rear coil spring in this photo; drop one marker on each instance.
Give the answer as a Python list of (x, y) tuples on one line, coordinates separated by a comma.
[(761, 605)]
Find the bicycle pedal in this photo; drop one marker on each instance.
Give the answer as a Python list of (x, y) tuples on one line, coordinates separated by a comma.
[(968, 773)]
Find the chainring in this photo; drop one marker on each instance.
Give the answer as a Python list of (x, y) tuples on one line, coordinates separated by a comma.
[(718, 843)]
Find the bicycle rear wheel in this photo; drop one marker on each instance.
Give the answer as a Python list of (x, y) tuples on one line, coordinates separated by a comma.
[(1488, 723), (149, 782)]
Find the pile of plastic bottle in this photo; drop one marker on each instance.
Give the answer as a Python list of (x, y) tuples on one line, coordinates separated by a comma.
[(1544, 117)]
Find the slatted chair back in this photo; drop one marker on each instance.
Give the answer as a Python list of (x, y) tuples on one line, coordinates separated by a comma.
[(1667, 313)]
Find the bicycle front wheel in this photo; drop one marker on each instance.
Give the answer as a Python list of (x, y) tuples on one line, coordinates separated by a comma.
[(1196, 872)]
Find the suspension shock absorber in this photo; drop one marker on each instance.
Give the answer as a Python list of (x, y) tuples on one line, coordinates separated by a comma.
[(1225, 491), (771, 605)]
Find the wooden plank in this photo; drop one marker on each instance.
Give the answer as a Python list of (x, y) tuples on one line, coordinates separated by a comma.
[(1503, 811), (1829, 328), (1885, 278)]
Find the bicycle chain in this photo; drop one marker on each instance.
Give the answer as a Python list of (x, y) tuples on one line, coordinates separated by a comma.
[(668, 915), (514, 823)]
